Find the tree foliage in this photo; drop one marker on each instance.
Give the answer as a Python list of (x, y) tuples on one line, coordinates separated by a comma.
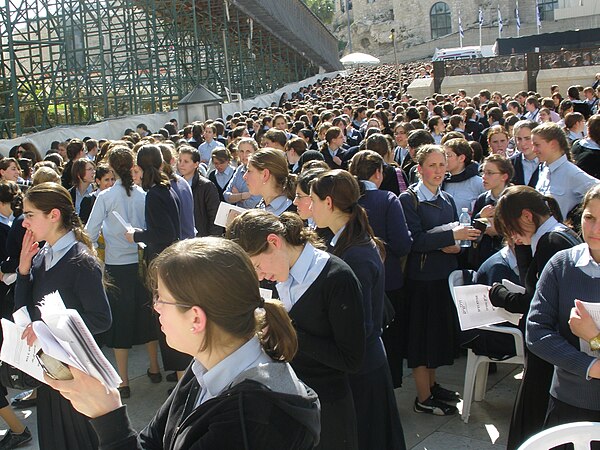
[(323, 9)]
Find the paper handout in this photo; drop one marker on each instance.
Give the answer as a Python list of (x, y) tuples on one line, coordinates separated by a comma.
[(127, 226), (226, 213), (594, 310), (61, 334), (475, 309)]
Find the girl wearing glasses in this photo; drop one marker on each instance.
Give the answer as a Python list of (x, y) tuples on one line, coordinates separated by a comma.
[(83, 173), (240, 391), (322, 297), (67, 264)]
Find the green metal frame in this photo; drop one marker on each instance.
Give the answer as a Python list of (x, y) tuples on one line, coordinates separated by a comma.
[(81, 61)]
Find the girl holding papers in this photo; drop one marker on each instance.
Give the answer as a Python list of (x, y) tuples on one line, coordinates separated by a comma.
[(240, 392), (323, 298), (561, 330), (533, 222), (67, 264)]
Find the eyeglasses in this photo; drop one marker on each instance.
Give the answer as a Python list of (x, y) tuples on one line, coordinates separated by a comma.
[(156, 301), (489, 172), (300, 196)]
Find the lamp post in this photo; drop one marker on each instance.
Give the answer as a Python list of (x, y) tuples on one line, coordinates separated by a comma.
[(348, 17), (393, 37)]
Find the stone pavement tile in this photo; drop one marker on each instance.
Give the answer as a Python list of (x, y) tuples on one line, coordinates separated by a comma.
[(446, 441)]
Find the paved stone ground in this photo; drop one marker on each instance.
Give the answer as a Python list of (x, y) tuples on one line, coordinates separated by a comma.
[(487, 427)]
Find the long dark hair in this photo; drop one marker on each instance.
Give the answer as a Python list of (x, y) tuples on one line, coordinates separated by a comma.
[(344, 191), (150, 160)]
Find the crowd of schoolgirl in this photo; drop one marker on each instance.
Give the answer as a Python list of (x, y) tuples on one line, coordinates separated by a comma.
[(353, 196)]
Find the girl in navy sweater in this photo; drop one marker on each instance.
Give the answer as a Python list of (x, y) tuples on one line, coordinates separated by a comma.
[(67, 264), (323, 298), (335, 196), (433, 222)]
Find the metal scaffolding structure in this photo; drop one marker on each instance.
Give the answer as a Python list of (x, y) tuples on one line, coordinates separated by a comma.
[(81, 61)]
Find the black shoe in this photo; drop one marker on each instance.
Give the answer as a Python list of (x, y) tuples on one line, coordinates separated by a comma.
[(171, 377), (154, 377), (13, 440), (444, 395), (125, 391), (24, 400), (435, 407)]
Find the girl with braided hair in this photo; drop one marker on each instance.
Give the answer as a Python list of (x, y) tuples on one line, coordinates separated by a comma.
[(65, 263)]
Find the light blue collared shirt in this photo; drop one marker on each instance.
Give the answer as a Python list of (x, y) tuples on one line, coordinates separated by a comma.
[(437, 138), (399, 154), (509, 256), (132, 208), (303, 274), (589, 143), (205, 149), (53, 253), (79, 197), (583, 259), (369, 185), (564, 181), (223, 178), (277, 206), (529, 167), (551, 224), (221, 375), (7, 220), (336, 236), (424, 194), (239, 183)]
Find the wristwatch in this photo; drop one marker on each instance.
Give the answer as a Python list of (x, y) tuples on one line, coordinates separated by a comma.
[(595, 343)]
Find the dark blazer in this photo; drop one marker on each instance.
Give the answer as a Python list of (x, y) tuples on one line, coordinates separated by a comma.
[(586, 158), (341, 153), (206, 204), (473, 128), (519, 177)]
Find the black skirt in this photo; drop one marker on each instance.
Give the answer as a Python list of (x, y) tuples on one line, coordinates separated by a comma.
[(338, 424), (133, 321), (377, 417), (60, 426), (432, 324), (396, 335)]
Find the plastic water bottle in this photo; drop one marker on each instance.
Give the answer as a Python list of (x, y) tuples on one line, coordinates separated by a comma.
[(465, 220)]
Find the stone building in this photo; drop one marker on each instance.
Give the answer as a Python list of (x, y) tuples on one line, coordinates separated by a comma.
[(423, 25)]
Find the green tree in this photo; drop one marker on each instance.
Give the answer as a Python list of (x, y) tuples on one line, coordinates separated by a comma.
[(323, 9)]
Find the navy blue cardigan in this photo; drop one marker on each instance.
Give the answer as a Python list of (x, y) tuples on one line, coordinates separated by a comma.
[(386, 217), (426, 260)]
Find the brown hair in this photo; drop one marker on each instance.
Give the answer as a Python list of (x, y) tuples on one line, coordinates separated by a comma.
[(365, 163), (120, 160), (45, 174), (594, 128), (5, 163), (549, 131), (150, 160), (426, 150), (299, 145), (460, 147), (274, 160), (78, 170), (221, 154), (250, 230), (503, 164), (49, 196), (379, 144), (344, 191), (592, 194), (223, 272), (514, 200), (10, 193)]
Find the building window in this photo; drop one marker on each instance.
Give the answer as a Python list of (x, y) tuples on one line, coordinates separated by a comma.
[(441, 22), (547, 8)]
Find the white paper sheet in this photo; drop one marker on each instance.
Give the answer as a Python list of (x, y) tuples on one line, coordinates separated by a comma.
[(17, 353), (127, 226), (226, 213), (475, 309), (594, 310)]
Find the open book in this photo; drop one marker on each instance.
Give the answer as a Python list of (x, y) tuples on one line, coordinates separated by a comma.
[(475, 309), (61, 334)]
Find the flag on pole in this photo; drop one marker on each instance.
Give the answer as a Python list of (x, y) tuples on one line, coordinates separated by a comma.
[(538, 19), (480, 17), (517, 18), (461, 32), (500, 25)]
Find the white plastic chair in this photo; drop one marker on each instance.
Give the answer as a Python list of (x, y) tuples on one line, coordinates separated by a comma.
[(476, 372), (580, 434)]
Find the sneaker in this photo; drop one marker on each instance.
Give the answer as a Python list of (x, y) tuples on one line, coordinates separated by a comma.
[(445, 395), (13, 440), (24, 399), (435, 407)]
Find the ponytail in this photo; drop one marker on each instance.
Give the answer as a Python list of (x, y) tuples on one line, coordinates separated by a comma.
[(553, 207), (75, 225), (120, 160), (276, 332), (289, 186)]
